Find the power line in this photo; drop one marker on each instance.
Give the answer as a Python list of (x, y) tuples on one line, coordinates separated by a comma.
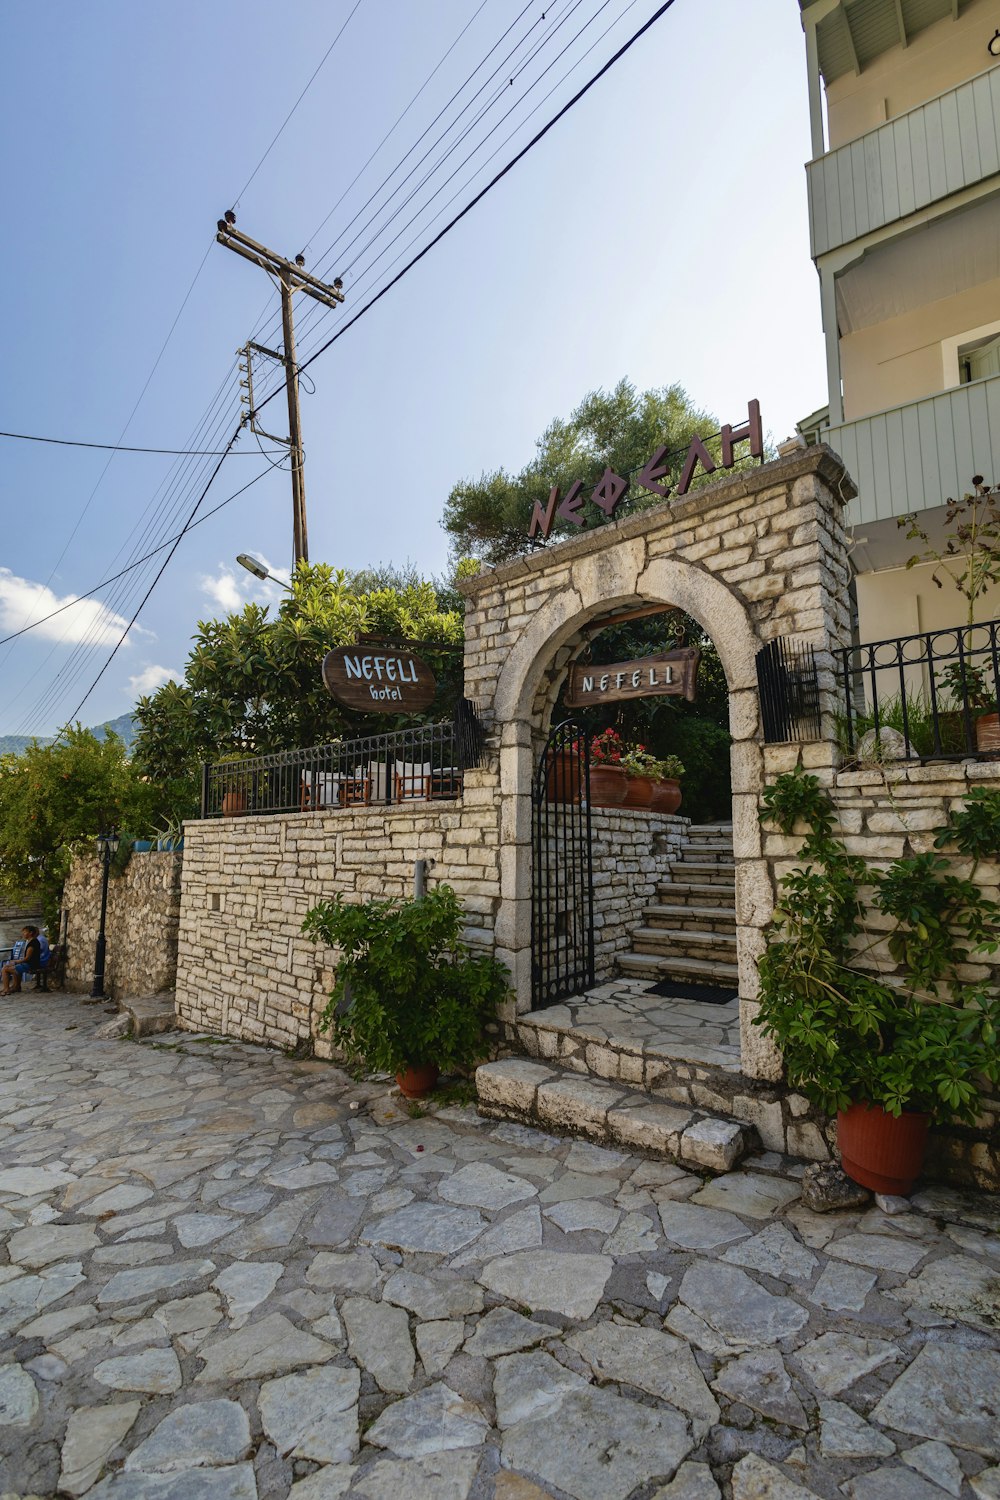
[(27, 437), (277, 135), (78, 598), (452, 223)]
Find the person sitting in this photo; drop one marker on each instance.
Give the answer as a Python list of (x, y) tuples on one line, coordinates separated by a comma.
[(29, 962)]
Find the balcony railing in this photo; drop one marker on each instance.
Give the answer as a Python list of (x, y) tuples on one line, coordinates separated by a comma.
[(426, 764), (935, 150), (922, 697), (915, 457)]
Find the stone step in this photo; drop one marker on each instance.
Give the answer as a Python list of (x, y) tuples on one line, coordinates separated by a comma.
[(676, 943), (725, 830), (654, 967), (694, 917), (695, 893), (703, 855), (542, 1094), (703, 871)]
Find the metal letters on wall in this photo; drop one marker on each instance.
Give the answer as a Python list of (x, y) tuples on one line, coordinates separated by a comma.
[(668, 672), (612, 488)]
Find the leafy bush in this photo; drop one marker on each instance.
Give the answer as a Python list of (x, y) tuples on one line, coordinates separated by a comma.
[(408, 991), (914, 1039)]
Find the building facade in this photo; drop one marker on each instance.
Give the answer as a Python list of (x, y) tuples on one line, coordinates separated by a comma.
[(904, 217)]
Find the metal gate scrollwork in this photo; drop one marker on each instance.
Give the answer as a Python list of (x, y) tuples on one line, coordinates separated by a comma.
[(562, 895)]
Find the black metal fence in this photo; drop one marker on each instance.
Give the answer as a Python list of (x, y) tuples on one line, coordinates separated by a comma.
[(424, 764), (937, 691), (789, 691), (562, 894)]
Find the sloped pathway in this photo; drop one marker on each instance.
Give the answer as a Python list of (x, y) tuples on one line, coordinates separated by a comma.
[(227, 1274)]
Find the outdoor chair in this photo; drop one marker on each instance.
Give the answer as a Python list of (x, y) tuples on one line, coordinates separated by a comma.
[(319, 789), (410, 780)]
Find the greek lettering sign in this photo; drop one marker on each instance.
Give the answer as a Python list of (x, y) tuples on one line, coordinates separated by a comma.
[(612, 488), (379, 679), (651, 677)]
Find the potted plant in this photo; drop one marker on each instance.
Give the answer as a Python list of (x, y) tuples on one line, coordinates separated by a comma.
[(170, 837), (409, 997), (641, 769), (969, 557), (236, 784), (667, 786), (876, 1026), (607, 785)]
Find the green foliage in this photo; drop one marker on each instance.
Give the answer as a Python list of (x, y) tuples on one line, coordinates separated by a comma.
[(253, 682), (408, 991), (54, 801), (916, 1039), (488, 518)]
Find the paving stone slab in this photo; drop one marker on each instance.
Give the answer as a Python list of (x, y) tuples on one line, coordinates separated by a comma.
[(271, 1346), (440, 1476), (51, 1242), (957, 1286), (694, 1228), (378, 1337), (693, 1481), (951, 1393), (235, 1483), (479, 1185), (152, 1370), (599, 1447), (756, 1479), (92, 1435), (313, 1416), (748, 1193), (844, 1434), (741, 1311), (759, 1379), (550, 1280), (651, 1361), (936, 1462), (835, 1361), (152, 1281), (18, 1397), (437, 1342), (429, 1298), (776, 1251), (435, 1420), (195, 1435), (428, 1227)]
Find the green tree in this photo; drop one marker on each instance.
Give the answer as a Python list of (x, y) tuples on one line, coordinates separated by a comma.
[(253, 682), (54, 801), (488, 518)]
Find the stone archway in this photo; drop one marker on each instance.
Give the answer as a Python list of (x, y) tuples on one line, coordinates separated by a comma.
[(754, 556)]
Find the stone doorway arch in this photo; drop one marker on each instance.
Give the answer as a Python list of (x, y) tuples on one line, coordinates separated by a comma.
[(756, 555)]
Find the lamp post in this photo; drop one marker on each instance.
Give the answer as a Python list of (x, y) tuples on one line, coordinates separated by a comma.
[(107, 848)]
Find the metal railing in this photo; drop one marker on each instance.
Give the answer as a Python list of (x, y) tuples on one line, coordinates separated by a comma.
[(937, 690), (427, 763)]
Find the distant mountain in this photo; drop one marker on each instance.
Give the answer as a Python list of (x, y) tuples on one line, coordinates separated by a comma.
[(123, 726)]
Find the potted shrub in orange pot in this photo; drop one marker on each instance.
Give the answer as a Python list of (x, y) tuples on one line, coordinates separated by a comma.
[(607, 786), (667, 786), (893, 1050), (409, 998)]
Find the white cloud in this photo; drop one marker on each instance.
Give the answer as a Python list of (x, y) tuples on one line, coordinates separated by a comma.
[(230, 588), (22, 600), (152, 677)]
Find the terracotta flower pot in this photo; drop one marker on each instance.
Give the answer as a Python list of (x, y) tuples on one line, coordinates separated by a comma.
[(988, 732), (233, 803), (639, 792), (880, 1151), (666, 796), (608, 786), (563, 782), (417, 1080)]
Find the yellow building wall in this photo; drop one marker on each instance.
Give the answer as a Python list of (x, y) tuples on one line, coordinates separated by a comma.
[(900, 360), (937, 59), (897, 602)]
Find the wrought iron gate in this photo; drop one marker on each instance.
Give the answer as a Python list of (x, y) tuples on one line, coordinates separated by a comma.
[(562, 896)]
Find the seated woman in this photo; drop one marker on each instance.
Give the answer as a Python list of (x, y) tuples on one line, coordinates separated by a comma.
[(28, 963)]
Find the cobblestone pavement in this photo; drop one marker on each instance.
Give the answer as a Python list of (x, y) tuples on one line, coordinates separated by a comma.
[(626, 1013), (229, 1274)]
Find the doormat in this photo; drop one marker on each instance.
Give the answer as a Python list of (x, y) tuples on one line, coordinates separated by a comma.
[(707, 994)]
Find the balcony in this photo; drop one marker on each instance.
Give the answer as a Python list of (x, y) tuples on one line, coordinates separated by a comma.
[(948, 144), (915, 457)]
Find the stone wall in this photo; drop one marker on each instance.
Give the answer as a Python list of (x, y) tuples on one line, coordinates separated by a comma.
[(752, 556), (632, 853), (245, 968), (142, 924)]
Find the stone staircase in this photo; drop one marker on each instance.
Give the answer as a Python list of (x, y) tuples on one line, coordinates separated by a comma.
[(690, 934)]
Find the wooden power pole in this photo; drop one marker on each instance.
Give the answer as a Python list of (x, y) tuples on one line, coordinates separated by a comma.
[(291, 277)]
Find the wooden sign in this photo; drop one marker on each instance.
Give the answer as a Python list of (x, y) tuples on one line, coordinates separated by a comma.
[(379, 679), (651, 677)]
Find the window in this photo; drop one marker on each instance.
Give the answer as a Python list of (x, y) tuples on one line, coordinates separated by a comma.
[(979, 359)]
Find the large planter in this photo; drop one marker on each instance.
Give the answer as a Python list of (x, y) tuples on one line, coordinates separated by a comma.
[(666, 796), (563, 781), (639, 792), (607, 787), (880, 1151), (988, 732), (233, 803), (417, 1080)]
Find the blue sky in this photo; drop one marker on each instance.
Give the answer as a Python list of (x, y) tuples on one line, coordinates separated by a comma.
[(659, 232)]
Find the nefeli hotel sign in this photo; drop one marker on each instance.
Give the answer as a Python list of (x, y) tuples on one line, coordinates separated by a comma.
[(668, 672), (379, 679), (612, 488)]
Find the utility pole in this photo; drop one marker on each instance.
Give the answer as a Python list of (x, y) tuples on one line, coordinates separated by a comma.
[(291, 277)]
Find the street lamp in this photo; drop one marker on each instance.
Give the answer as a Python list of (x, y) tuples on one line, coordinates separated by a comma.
[(107, 848), (257, 568)]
